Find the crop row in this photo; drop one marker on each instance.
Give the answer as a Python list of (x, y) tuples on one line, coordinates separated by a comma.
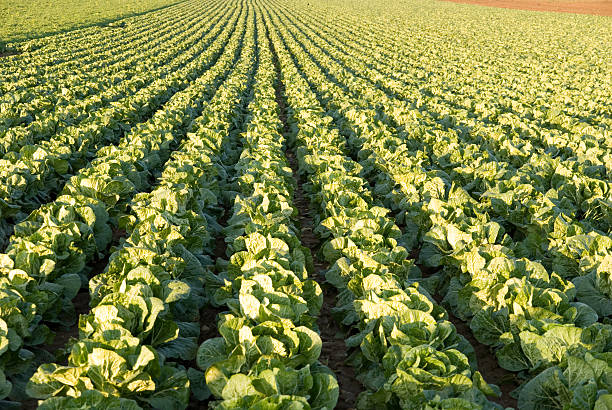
[(38, 172), (66, 99), (81, 49), (267, 355), (51, 253), (131, 154), (514, 304), (460, 110), (409, 354), (144, 315), (556, 211)]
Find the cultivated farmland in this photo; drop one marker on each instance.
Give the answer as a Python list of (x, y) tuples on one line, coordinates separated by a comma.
[(307, 204)]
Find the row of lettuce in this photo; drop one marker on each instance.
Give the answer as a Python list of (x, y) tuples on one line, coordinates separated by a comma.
[(537, 187), (37, 112), (408, 355), (144, 324), (555, 207), (513, 218), (36, 164), (538, 322), (582, 187), (144, 318), (51, 254), (79, 49), (566, 113), (267, 354), (85, 75)]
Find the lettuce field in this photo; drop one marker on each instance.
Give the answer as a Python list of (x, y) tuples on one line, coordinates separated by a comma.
[(307, 204), (26, 19)]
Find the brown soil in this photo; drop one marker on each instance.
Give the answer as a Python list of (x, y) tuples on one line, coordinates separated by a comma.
[(29, 404), (64, 334), (334, 352), (208, 330), (9, 53), (488, 365), (81, 303), (118, 234), (208, 318), (595, 7)]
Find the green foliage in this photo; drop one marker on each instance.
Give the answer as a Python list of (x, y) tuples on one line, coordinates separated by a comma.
[(130, 340), (475, 152), (22, 20)]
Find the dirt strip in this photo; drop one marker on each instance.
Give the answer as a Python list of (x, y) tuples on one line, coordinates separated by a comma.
[(488, 365), (334, 352), (208, 318), (594, 7), (9, 53), (64, 333)]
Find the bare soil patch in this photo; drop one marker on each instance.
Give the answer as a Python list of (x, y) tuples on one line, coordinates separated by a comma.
[(334, 353), (488, 365), (9, 53), (208, 330), (594, 7), (63, 334)]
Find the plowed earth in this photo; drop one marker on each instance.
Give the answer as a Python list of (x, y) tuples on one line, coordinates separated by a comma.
[(595, 7)]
